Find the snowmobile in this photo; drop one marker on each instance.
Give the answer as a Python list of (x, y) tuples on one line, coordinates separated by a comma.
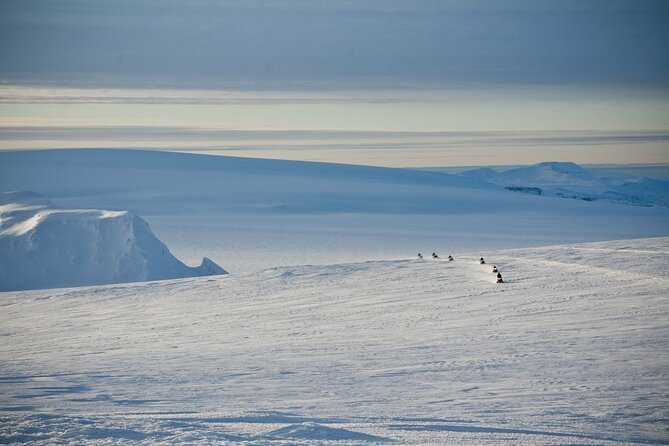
[(434, 255), (499, 278), (494, 269), (481, 261), (420, 256), (450, 258)]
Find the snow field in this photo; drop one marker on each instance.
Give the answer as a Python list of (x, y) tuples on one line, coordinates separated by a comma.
[(571, 350), (248, 215)]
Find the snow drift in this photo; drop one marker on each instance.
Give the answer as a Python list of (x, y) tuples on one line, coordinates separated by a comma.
[(43, 246)]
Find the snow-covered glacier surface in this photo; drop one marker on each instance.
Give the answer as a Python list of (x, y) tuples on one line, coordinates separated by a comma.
[(329, 330), (44, 246), (572, 349), (253, 214)]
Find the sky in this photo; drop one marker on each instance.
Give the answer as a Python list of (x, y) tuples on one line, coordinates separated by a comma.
[(395, 83)]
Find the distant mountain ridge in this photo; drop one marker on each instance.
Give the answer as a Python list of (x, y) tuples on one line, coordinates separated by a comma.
[(569, 180)]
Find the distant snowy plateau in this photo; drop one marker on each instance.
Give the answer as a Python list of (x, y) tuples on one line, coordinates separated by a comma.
[(250, 214), (569, 180), (328, 330)]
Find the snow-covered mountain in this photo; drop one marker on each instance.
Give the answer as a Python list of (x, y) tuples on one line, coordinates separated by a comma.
[(43, 246), (569, 180), (253, 214), (572, 349)]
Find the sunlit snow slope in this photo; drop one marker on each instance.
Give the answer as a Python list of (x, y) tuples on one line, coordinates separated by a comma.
[(572, 349), (43, 246)]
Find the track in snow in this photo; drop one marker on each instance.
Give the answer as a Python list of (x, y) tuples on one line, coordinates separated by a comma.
[(572, 349)]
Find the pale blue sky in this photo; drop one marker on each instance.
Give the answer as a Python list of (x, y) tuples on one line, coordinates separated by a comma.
[(82, 72)]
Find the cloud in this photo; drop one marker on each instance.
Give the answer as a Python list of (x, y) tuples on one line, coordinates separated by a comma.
[(236, 95), (231, 139), (206, 43)]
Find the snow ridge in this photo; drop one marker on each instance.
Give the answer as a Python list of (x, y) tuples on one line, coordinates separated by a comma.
[(43, 246)]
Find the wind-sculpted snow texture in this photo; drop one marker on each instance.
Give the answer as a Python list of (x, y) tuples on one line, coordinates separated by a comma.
[(569, 180), (42, 246), (572, 349)]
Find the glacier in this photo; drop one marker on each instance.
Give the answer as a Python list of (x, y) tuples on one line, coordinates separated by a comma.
[(44, 246)]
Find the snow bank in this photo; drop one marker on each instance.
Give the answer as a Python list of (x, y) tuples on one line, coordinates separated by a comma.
[(42, 246)]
